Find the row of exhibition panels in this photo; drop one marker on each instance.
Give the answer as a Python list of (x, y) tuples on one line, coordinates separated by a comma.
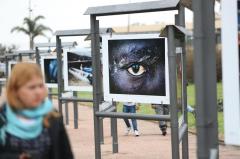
[(49, 66), (134, 68)]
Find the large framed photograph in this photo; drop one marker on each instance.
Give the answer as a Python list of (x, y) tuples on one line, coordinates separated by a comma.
[(78, 69), (135, 68), (50, 68), (2, 71)]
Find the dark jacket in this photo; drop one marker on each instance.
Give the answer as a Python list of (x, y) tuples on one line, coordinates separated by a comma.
[(60, 146)]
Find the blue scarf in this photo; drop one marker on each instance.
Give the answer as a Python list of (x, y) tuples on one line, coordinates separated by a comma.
[(23, 130)]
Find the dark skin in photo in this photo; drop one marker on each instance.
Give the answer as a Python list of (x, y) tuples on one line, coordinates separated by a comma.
[(137, 66)]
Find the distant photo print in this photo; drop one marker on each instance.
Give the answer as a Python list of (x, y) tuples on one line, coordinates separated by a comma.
[(11, 64), (78, 70), (137, 66), (2, 71), (50, 69)]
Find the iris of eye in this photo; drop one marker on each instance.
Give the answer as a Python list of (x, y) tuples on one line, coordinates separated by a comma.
[(136, 69)]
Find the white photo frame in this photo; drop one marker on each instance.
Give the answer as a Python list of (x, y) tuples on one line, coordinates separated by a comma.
[(77, 73), (10, 66), (2, 71), (110, 95), (51, 82)]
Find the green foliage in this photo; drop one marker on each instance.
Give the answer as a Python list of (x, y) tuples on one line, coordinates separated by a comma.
[(85, 95), (191, 93), (190, 63), (32, 28), (220, 123), (7, 49)]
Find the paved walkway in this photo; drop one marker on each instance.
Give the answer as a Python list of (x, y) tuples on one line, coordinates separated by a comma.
[(149, 145)]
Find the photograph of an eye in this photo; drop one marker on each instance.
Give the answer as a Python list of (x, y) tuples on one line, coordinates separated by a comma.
[(50, 69), (78, 69), (136, 67)]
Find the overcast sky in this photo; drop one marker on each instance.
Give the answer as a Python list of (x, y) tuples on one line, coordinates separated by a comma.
[(67, 14)]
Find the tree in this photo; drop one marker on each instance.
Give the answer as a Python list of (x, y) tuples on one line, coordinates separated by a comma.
[(7, 49), (32, 28)]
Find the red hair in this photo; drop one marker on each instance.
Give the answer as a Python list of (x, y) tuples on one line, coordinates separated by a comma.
[(20, 75)]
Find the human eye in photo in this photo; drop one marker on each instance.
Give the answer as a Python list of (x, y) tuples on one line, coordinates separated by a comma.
[(137, 67)]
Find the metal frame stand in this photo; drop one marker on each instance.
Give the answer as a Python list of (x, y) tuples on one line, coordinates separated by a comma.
[(181, 22), (173, 92), (75, 99), (205, 79), (177, 134), (15, 55), (38, 57), (19, 55)]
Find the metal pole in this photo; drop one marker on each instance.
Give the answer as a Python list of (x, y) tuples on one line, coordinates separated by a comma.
[(110, 114), (101, 131), (114, 132), (205, 78), (111, 123), (37, 56), (66, 113), (75, 111), (95, 45), (6, 62), (59, 61), (75, 99), (185, 153), (20, 57), (173, 93), (50, 93), (100, 86), (14, 57), (1, 85)]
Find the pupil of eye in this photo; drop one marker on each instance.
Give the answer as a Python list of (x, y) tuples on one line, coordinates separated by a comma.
[(135, 68)]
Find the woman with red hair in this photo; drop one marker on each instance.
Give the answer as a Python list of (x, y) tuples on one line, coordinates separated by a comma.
[(30, 128)]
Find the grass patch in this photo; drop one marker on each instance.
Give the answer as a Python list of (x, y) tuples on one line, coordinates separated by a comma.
[(191, 93), (85, 95), (143, 109), (191, 101)]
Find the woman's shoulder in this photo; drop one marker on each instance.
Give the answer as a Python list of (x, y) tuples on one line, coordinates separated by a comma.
[(52, 118), (54, 114)]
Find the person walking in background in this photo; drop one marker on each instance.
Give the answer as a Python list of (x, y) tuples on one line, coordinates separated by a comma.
[(30, 128), (130, 107), (161, 109)]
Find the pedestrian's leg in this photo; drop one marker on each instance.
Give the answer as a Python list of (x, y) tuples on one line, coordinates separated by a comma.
[(134, 121), (157, 112), (127, 122), (160, 111), (125, 110), (162, 124), (134, 124)]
